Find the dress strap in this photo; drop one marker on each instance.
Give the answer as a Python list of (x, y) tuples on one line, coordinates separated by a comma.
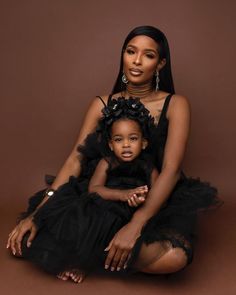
[(101, 100), (166, 103), (108, 101), (109, 98), (165, 107)]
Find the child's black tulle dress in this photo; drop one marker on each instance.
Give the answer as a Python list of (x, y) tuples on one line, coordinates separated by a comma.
[(74, 226)]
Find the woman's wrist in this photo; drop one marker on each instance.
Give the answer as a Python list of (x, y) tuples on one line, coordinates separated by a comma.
[(49, 192)]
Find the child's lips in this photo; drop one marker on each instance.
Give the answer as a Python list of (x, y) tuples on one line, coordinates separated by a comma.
[(127, 154)]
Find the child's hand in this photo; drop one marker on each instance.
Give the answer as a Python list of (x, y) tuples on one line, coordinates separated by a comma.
[(135, 201), (137, 196), (138, 192)]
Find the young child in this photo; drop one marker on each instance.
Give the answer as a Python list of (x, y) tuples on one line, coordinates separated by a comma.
[(79, 221), (127, 140)]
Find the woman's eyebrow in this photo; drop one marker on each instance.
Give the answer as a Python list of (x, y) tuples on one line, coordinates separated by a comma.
[(146, 49)]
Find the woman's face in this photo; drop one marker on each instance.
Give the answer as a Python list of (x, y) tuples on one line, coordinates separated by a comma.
[(141, 60)]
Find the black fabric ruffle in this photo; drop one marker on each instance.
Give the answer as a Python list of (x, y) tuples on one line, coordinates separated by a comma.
[(77, 226)]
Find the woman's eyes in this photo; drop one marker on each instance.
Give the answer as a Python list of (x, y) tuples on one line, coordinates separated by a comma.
[(131, 51), (150, 55)]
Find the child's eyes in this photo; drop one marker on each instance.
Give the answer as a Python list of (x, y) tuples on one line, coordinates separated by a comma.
[(117, 139), (134, 138)]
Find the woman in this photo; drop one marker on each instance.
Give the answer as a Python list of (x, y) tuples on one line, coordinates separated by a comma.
[(145, 72)]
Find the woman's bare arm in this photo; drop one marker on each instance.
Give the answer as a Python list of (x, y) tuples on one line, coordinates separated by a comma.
[(178, 115), (154, 176), (72, 163), (71, 167)]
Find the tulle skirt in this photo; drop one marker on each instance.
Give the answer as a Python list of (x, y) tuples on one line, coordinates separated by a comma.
[(74, 226)]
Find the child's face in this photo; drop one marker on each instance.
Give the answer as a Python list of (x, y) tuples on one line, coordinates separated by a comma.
[(126, 140)]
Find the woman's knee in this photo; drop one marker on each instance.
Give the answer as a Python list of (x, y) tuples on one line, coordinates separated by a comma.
[(178, 259), (174, 260)]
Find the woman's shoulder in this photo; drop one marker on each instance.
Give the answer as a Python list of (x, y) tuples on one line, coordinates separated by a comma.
[(178, 104), (179, 100)]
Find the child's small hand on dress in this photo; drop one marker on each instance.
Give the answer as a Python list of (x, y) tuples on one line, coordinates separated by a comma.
[(137, 196)]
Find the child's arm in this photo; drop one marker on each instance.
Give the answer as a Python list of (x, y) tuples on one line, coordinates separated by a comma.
[(97, 185)]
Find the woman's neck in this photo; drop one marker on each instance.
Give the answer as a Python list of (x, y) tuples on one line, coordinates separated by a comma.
[(141, 91)]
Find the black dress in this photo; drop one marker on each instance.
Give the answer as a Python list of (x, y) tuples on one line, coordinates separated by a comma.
[(74, 227)]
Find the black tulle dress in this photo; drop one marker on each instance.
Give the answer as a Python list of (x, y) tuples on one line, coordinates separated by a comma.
[(74, 226)]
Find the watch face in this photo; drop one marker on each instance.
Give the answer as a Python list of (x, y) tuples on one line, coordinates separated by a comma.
[(50, 193)]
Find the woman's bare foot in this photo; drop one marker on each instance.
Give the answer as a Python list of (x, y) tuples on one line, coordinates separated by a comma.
[(75, 275)]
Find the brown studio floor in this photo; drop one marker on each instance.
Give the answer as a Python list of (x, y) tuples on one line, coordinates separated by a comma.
[(212, 272)]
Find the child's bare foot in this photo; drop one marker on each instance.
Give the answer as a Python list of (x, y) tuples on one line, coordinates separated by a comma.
[(64, 275), (75, 275)]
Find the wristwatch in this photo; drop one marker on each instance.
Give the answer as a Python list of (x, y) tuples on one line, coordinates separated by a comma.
[(49, 192)]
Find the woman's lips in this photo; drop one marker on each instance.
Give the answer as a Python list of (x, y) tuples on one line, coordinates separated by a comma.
[(135, 72)]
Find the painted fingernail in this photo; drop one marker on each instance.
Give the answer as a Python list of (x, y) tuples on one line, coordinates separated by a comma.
[(14, 253), (112, 268), (125, 266), (106, 266), (118, 268)]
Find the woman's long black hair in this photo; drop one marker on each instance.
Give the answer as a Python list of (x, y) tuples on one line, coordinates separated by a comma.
[(166, 81)]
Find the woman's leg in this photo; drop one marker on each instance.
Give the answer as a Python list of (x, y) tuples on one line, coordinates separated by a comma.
[(172, 261), (161, 258)]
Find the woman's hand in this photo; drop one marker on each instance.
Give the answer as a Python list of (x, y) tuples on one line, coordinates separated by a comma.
[(16, 236), (120, 247)]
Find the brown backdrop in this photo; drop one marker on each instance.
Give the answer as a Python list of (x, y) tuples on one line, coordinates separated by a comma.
[(56, 55)]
